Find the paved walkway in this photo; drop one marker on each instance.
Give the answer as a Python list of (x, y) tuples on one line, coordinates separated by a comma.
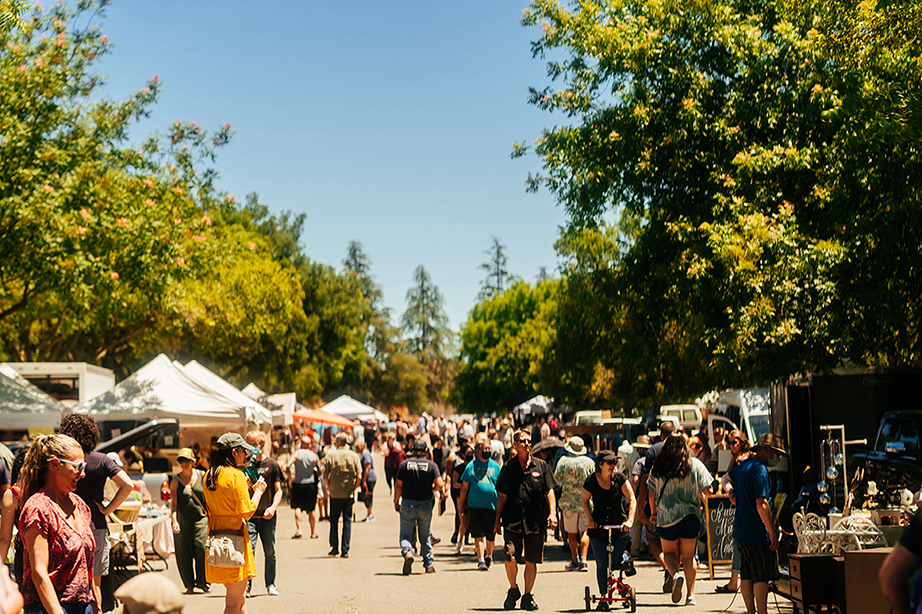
[(370, 580)]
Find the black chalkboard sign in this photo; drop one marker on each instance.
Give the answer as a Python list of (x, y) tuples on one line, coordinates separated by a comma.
[(719, 514)]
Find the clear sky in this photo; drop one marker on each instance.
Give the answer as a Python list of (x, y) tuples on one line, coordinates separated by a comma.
[(389, 123)]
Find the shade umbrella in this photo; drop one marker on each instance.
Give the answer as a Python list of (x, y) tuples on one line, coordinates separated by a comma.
[(551, 443), (318, 416)]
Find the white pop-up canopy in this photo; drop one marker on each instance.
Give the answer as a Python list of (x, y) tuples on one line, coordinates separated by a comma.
[(348, 407), (23, 406), (255, 413), (282, 405), (536, 405), (160, 389)]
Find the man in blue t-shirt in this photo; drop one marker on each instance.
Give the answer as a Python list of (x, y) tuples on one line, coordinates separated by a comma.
[(749, 487), (478, 498)]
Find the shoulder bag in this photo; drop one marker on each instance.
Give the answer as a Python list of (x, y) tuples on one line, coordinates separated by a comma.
[(226, 549)]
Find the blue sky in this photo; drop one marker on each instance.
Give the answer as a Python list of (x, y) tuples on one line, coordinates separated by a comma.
[(389, 123)]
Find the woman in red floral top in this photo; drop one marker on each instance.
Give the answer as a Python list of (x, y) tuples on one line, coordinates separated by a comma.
[(57, 530)]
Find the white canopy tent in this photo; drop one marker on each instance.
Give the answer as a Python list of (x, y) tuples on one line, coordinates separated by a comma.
[(282, 406), (23, 406), (538, 405), (160, 389), (255, 413), (347, 407)]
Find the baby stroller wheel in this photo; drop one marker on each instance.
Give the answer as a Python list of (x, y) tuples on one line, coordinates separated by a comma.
[(588, 600)]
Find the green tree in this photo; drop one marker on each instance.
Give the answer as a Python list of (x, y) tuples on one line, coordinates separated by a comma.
[(424, 322), (755, 214), (498, 277), (95, 235), (11, 14), (507, 353), (428, 337)]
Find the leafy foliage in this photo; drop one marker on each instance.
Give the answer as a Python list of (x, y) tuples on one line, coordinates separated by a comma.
[(506, 349), (762, 229)]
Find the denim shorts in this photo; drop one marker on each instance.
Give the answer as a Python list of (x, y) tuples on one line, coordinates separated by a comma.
[(69, 608), (687, 528)]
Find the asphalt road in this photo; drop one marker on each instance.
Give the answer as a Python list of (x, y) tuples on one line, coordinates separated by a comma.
[(370, 580)]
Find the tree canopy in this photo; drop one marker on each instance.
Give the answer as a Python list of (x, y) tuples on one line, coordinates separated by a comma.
[(756, 226)]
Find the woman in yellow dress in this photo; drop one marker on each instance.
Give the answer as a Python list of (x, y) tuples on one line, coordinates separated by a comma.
[(229, 507)]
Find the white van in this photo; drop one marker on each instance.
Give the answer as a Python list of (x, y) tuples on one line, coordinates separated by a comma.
[(688, 416)]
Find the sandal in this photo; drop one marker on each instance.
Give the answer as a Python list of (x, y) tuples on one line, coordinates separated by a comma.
[(297, 536), (725, 589)]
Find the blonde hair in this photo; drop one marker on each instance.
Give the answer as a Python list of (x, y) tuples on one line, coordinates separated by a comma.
[(34, 471), (360, 446), (258, 436)]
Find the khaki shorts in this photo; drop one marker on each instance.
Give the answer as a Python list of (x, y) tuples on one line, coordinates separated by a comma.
[(575, 522)]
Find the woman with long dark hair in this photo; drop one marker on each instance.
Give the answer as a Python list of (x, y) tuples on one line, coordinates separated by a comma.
[(229, 506), (678, 483), (56, 528), (604, 489)]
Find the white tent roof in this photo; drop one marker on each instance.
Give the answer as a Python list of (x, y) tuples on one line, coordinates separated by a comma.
[(255, 413), (282, 405), (160, 389), (22, 405), (535, 405), (348, 407)]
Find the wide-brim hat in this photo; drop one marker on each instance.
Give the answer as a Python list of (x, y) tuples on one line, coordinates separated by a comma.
[(770, 440), (575, 446)]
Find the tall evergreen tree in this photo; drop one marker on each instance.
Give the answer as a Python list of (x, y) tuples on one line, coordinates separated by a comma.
[(498, 277)]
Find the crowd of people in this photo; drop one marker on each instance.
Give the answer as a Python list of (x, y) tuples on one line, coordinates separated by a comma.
[(621, 502)]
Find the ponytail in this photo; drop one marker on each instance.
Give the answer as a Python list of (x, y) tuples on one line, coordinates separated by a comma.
[(34, 471)]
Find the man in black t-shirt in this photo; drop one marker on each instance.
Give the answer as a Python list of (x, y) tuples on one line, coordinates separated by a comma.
[(262, 523), (417, 479), (525, 508)]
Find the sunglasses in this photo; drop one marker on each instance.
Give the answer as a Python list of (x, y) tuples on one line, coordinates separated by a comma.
[(79, 466), (525, 442), (733, 442)]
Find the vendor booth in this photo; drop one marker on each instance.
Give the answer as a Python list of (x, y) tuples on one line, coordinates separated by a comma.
[(347, 407), (164, 389)]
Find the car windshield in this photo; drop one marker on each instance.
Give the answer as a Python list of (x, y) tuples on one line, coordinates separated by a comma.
[(759, 424)]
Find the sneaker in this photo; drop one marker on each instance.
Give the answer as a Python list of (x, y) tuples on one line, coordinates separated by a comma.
[(436, 540), (678, 583), (482, 565), (333, 552), (667, 582), (272, 590), (603, 607), (528, 602), (571, 566), (512, 597), (582, 566), (488, 560), (407, 563), (430, 569), (370, 519), (690, 600)]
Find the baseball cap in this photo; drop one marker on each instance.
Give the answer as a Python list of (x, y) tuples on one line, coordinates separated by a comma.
[(228, 441)]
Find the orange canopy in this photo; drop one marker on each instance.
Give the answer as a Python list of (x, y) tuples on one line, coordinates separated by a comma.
[(318, 416)]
